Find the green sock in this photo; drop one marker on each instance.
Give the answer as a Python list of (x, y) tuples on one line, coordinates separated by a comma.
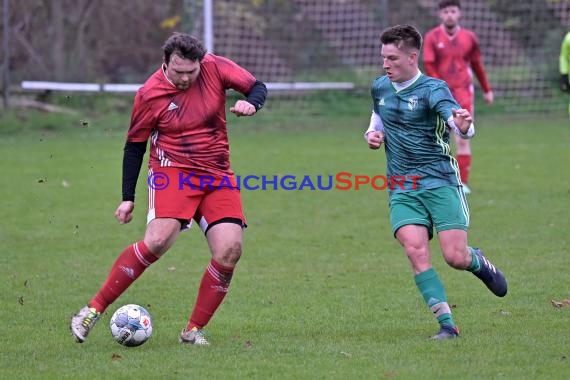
[(475, 264), (433, 292)]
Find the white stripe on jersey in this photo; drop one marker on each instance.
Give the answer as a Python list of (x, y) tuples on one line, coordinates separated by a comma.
[(159, 152)]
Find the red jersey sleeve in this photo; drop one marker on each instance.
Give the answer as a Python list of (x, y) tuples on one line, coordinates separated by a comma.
[(143, 120), (429, 48), (430, 70), (429, 55), (234, 76), (477, 66)]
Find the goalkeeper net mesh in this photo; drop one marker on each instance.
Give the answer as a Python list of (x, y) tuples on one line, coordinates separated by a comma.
[(322, 42)]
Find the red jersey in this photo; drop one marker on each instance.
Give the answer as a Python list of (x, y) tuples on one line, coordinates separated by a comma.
[(187, 128), (451, 58)]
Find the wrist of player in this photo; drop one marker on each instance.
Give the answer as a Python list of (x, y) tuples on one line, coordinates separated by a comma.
[(469, 131)]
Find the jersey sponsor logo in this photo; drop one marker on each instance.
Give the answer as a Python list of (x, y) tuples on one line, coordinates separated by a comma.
[(440, 45), (381, 102), (172, 106), (413, 103)]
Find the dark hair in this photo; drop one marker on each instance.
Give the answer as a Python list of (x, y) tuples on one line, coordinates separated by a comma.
[(403, 36), (449, 3), (185, 46)]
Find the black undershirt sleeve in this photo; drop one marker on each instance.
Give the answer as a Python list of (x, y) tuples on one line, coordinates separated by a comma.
[(132, 162), (257, 95)]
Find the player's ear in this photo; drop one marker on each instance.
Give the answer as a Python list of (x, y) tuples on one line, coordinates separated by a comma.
[(413, 57)]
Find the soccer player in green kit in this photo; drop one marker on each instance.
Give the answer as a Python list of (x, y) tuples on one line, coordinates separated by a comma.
[(412, 116)]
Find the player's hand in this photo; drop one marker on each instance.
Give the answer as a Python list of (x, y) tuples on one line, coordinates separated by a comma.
[(462, 119), (243, 108), (375, 139), (124, 212), (488, 97)]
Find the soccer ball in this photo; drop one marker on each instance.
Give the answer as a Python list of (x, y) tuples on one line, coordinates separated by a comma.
[(131, 325)]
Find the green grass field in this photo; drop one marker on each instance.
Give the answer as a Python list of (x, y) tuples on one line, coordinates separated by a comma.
[(323, 290)]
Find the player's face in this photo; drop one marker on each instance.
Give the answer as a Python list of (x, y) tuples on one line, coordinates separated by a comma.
[(400, 65), (450, 16), (182, 72)]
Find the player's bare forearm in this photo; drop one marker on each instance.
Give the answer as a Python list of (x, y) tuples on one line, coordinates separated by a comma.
[(243, 108)]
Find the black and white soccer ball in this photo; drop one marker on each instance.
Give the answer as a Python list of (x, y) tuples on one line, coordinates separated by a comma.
[(131, 325)]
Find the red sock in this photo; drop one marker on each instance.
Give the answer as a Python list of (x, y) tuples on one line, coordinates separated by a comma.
[(464, 161), (213, 289), (130, 264)]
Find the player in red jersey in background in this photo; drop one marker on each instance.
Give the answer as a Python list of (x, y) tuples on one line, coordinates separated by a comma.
[(181, 108), (564, 65), (452, 53)]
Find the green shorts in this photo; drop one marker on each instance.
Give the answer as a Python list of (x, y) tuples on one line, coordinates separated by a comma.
[(444, 208)]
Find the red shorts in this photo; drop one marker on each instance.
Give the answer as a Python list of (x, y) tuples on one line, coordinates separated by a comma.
[(465, 97), (185, 195)]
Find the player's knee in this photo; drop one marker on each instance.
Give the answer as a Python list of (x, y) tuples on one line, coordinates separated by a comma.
[(230, 255), (157, 244), (457, 258), (417, 253)]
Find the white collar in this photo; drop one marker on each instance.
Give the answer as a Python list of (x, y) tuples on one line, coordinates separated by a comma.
[(403, 85), (166, 76)]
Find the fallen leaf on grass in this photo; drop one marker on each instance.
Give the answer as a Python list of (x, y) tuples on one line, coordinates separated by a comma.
[(560, 304), (248, 344), (347, 354), (21, 300), (116, 357)]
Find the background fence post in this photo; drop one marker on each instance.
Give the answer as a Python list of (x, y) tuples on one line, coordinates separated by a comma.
[(6, 48)]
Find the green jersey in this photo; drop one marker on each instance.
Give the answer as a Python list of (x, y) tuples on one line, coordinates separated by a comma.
[(416, 135)]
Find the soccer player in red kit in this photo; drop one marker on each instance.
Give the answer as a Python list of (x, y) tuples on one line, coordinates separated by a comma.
[(452, 53), (181, 109)]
